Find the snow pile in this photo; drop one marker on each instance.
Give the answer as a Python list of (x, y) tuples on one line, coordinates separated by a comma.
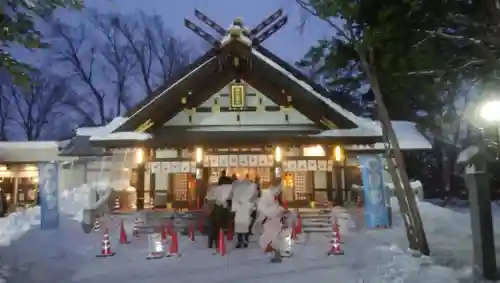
[(448, 233), (73, 201), (16, 224)]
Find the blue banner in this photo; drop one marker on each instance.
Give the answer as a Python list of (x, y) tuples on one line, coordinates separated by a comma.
[(48, 187), (375, 195)]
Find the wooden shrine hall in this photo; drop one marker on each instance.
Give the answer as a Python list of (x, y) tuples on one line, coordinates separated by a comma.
[(242, 109)]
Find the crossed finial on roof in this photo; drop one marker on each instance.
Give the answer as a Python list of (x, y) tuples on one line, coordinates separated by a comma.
[(257, 35)]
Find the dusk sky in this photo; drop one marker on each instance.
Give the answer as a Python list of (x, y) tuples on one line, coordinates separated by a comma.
[(289, 43)]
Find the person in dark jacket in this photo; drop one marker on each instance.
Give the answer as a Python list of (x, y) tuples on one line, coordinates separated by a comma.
[(224, 179), (4, 204), (216, 221)]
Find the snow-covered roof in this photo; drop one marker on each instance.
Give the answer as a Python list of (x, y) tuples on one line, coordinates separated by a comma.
[(29, 151), (122, 136), (165, 91), (366, 125), (103, 130), (409, 138)]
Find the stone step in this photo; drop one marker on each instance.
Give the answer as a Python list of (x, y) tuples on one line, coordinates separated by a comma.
[(154, 221), (312, 217), (326, 225), (317, 230), (314, 223), (307, 209), (315, 212)]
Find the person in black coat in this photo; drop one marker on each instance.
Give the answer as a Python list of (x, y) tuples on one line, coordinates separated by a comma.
[(4, 204), (224, 179), (216, 223)]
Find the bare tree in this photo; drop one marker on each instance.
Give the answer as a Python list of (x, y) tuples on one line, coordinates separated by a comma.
[(133, 30), (4, 113), (172, 53), (158, 53), (76, 50), (37, 105), (117, 54)]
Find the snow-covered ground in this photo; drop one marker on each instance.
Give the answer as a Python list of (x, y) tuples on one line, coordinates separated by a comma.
[(29, 254)]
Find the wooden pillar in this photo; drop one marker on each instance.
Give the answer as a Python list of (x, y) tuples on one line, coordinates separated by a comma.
[(152, 178), (329, 185), (338, 163), (141, 182), (141, 179), (15, 193)]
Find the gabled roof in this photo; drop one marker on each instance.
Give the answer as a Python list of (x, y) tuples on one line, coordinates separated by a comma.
[(267, 73), (160, 90)]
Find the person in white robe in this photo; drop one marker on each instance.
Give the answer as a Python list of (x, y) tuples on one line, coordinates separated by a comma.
[(270, 214), (243, 202)]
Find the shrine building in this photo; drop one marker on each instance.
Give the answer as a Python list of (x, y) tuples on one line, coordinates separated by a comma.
[(242, 109)]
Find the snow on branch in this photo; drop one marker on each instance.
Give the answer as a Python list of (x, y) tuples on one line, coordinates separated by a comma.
[(454, 37)]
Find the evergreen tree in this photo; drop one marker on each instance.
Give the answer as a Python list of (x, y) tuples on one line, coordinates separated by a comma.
[(18, 28)]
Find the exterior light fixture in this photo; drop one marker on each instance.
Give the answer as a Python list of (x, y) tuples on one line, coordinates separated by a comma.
[(277, 154), (139, 156), (490, 111), (338, 154), (198, 157)]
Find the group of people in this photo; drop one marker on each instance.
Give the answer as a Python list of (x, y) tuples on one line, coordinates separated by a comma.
[(243, 205)]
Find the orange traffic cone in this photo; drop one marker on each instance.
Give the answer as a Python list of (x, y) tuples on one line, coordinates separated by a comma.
[(191, 231), (173, 249), (335, 248), (221, 247), (336, 229), (298, 227), (117, 204), (106, 246), (123, 234)]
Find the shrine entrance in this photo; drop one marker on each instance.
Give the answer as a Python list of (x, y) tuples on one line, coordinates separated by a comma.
[(262, 173)]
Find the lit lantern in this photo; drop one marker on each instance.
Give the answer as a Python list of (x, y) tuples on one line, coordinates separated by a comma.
[(198, 152), (277, 154), (199, 155), (338, 154), (139, 156)]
